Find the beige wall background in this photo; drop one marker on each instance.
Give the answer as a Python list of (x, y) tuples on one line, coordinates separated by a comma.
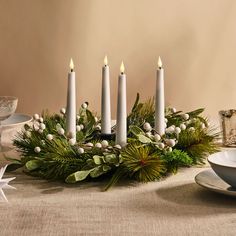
[(195, 38)]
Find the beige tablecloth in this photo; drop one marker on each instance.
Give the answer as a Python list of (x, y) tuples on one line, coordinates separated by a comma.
[(175, 206)]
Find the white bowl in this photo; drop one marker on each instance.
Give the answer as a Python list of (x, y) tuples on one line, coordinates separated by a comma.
[(224, 165)]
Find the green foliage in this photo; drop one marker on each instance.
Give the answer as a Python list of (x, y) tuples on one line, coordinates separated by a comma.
[(143, 159), (139, 162), (198, 144), (176, 159)]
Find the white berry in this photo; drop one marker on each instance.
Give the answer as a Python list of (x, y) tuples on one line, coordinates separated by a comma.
[(191, 129), (96, 119), (177, 130), (61, 131), (37, 149), (98, 127), (98, 145), (170, 142), (117, 146), (81, 127), (36, 116), (78, 128), (149, 134), (42, 126), (161, 145), (203, 126), (147, 126), (104, 143), (63, 111), (157, 137), (41, 119), (36, 128), (170, 129), (84, 105), (169, 149), (182, 126), (173, 110), (78, 117), (40, 131), (89, 144), (166, 120), (49, 137), (185, 116), (72, 141), (80, 150)]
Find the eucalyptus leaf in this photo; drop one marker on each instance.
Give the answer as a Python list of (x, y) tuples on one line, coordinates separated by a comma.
[(33, 164), (135, 130), (106, 168), (78, 176), (110, 158), (96, 172), (144, 139), (97, 160)]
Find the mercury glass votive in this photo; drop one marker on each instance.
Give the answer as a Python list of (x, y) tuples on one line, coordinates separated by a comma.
[(228, 125)]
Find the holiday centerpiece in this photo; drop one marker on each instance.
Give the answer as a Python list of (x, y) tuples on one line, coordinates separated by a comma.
[(147, 144)]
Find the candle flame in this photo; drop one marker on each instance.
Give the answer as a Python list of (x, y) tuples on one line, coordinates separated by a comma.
[(122, 68), (71, 64), (105, 60), (159, 62)]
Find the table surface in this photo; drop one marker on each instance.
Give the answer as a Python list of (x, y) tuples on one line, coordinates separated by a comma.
[(174, 206)]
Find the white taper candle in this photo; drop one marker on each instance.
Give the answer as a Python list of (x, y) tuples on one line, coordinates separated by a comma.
[(121, 120), (71, 103), (160, 100), (106, 100)]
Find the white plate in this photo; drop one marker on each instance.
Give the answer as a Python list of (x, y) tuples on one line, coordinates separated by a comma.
[(16, 119), (210, 180)]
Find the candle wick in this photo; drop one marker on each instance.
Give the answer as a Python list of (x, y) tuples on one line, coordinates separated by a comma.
[(160, 67), (122, 73), (71, 70)]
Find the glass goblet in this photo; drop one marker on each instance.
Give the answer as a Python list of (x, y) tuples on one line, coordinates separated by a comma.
[(8, 106)]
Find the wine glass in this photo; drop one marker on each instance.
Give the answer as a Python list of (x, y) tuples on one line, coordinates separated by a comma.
[(8, 106)]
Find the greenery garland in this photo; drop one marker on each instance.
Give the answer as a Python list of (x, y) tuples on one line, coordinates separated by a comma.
[(47, 152)]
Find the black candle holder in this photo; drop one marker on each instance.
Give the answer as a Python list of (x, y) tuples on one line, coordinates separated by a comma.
[(108, 137)]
